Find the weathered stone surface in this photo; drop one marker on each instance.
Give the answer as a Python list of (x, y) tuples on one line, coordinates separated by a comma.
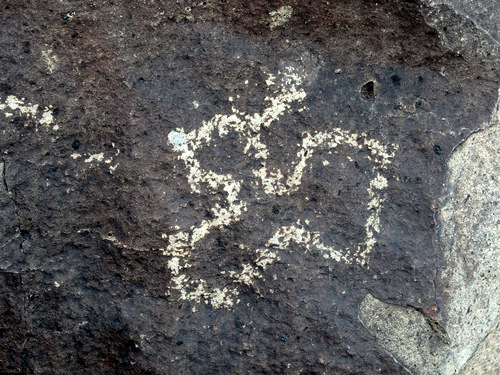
[(483, 13), (463, 337), (245, 187), (485, 359)]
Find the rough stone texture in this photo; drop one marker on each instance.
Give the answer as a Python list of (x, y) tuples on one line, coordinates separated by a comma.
[(243, 187), (469, 280), (405, 333), (485, 359)]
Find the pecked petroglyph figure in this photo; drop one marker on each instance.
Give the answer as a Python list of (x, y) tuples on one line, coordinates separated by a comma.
[(285, 90)]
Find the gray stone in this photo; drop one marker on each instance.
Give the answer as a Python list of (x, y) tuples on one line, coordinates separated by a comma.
[(484, 13), (469, 279)]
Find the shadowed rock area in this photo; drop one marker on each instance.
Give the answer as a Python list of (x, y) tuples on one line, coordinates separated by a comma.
[(233, 187)]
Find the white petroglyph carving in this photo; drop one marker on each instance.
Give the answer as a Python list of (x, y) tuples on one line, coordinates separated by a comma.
[(286, 90), (11, 105), (44, 118)]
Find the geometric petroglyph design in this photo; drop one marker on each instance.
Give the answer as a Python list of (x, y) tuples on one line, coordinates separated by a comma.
[(284, 89)]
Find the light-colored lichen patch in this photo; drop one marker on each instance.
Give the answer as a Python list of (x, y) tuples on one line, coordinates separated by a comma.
[(198, 291), (18, 104), (47, 118)]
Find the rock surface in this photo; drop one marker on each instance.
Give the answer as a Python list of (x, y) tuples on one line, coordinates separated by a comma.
[(233, 187)]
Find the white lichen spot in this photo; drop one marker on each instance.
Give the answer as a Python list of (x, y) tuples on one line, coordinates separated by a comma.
[(178, 139), (222, 297), (251, 272), (173, 265), (372, 225), (270, 79), (27, 109), (265, 258), (197, 291), (379, 182)]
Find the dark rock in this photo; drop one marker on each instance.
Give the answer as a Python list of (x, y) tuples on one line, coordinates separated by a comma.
[(216, 187)]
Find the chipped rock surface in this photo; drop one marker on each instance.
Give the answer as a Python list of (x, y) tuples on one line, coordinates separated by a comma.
[(233, 187)]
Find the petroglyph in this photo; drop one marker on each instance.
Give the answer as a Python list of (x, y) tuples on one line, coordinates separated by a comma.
[(285, 89), (12, 105)]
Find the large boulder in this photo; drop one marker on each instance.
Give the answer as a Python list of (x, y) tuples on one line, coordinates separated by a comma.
[(239, 187)]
